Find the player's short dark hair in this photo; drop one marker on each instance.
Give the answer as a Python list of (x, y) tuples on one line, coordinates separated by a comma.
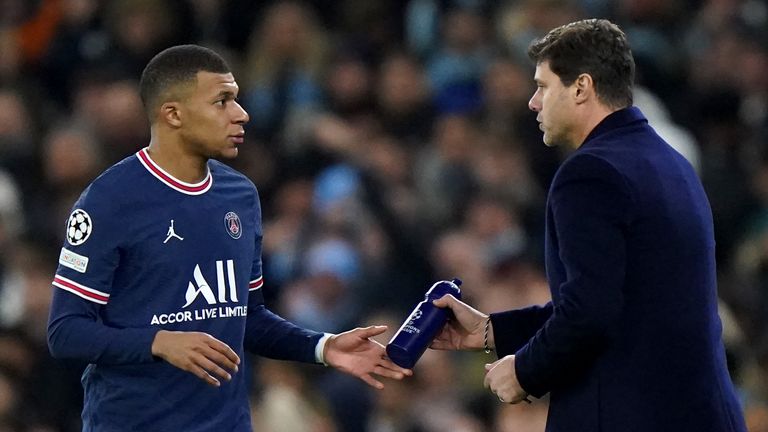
[(596, 47), (176, 65)]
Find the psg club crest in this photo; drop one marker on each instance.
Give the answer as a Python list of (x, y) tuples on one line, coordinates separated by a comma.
[(233, 225), (79, 227)]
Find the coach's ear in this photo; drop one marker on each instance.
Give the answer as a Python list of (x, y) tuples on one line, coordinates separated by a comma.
[(584, 88), (169, 112)]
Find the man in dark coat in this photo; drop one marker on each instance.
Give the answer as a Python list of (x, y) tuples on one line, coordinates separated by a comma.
[(631, 340)]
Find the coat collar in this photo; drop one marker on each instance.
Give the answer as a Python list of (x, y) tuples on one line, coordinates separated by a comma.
[(614, 121)]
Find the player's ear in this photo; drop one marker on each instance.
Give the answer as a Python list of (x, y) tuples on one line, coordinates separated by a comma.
[(170, 113), (584, 86)]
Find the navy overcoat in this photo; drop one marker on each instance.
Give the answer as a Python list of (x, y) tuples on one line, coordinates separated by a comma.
[(631, 341)]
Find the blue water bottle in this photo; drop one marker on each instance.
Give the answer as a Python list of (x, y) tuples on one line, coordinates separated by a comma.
[(421, 326)]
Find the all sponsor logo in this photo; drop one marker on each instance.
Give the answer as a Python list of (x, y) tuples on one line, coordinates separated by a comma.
[(204, 289), (199, 288)]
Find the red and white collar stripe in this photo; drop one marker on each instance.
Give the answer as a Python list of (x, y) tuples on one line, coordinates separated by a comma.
[(79, 290), (172, 182)]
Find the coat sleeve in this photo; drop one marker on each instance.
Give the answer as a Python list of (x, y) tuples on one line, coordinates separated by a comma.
[(512, 329), (590, 206)]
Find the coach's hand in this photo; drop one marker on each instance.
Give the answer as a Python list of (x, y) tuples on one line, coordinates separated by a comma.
[(465, 330), (199, 353), (354, 353), (501, 379)]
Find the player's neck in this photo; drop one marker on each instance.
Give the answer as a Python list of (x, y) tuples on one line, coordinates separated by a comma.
[(175, 161)]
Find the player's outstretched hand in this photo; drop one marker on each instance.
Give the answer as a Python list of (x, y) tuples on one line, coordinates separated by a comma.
[(465, 330), (198, 353), (354, 353)]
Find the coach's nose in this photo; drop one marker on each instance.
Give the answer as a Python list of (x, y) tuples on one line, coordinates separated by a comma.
[(534, 104)]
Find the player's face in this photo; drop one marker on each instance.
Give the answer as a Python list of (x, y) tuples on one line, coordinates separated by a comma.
[(213, 120), (554, 105)]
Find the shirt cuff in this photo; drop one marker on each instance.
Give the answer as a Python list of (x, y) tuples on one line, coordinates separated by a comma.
[(320, 348)]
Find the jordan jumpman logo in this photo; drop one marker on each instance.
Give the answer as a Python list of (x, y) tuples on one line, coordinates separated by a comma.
[(172, 233)]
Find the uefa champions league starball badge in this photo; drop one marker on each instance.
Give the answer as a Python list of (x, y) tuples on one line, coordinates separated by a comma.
[(79, 227), (233, 225)]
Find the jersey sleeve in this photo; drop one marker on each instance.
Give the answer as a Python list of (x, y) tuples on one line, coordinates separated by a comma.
[(83, 285), (266, 333), (90, 255), (256, 280)]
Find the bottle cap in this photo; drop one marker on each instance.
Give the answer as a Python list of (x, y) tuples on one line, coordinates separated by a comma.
[(444, 287)]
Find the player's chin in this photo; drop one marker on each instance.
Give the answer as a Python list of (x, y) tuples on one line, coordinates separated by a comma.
[(229, 152)]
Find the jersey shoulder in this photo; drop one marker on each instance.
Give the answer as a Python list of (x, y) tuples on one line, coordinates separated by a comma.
[(97, 213), (110, 192), (223, 173), (115, 182)]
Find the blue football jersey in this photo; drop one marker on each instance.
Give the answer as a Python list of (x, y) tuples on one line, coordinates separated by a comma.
[(146, 252)]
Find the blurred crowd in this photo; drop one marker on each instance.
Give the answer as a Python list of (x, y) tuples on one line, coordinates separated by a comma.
[(392, 146)]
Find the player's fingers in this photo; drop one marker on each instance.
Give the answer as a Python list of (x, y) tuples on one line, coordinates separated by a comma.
[(390, 365), (221, 360), (371, 331), (371, 382), (213, 369), (381, 346), (223, 348), (388, 373), (203, 375)]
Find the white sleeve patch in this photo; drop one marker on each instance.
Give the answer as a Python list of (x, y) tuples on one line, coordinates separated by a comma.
[(76, 262)]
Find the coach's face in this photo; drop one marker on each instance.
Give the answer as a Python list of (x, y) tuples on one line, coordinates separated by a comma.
[(212, 119), (555, 107)]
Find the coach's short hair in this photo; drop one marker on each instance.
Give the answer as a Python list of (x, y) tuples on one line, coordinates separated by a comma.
[(173, 66), (596, 47)]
